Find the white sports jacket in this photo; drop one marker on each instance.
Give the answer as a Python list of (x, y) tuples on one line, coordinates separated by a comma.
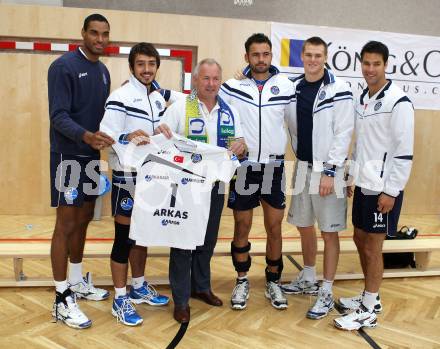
[(262, 114), (131, 108), (333, 122), (384, 129)]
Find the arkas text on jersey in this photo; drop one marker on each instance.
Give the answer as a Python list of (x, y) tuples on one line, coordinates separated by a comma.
[(164, 212)]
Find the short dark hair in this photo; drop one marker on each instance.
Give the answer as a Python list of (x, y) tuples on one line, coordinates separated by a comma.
[(257, 38), (316, 41), (375, 47), (94, 17), (143, 48)]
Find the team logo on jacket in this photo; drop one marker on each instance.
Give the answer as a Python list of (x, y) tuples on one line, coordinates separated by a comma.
[(71, 194), (275, 90), (377, 106), (158, 105), (127, 204), (321, 95), (196, 158)]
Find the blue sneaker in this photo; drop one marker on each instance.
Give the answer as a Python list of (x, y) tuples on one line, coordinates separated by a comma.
[(147, 294), (125, 312)]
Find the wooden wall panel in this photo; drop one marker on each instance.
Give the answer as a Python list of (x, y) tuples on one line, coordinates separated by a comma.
[(24, 124), (422, 194)]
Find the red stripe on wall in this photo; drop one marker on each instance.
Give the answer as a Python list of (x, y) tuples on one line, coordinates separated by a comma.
[(42, 46), (7, 45), (187, 58), (112, 50), (73, 47)]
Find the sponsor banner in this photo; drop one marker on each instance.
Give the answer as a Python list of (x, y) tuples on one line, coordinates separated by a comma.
[(414, 62)]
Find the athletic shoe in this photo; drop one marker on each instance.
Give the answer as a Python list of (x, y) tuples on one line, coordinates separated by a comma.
[(125, 312), (147, 294), (240, 294), (301, 286), (66, 309), (356, 320), (86, 289), (353, 303), (323, 305), (276, 296)]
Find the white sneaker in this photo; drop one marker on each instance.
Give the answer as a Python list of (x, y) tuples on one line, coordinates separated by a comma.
[(301, 286), (356, 320), (240, 294), (86, 289), (353, 303), (276, 296), (67, 310), (323, 305)]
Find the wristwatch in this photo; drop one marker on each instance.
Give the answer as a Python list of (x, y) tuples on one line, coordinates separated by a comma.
[(329, 170)]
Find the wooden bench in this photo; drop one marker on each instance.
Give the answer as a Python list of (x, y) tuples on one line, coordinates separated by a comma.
[(19, 251)]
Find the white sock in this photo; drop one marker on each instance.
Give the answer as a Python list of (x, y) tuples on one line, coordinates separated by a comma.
[(327, 285), (369, 300), (60, 286), (137, 282), (120, 292), (75, 273), (309, 273)]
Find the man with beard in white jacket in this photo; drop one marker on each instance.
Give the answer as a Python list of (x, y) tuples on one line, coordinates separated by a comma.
[(262, 98)]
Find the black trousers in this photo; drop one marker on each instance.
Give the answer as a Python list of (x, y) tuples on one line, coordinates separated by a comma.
[(190, 270)]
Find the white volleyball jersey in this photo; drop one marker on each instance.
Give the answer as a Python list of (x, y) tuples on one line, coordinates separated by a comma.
[(173, 189)]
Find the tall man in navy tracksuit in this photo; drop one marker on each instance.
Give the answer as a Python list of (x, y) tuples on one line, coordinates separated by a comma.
[(79, 85)]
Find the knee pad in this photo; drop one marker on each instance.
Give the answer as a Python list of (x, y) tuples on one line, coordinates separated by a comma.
[(121, 244), (241, 267), (274, 276)]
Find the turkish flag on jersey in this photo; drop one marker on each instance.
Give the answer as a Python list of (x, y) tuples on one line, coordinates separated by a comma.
[(178, 158)]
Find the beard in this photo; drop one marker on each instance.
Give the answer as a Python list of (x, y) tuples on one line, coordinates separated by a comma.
[(260, 69)]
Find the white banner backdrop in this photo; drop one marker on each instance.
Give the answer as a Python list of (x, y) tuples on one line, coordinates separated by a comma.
[(414, 62)]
